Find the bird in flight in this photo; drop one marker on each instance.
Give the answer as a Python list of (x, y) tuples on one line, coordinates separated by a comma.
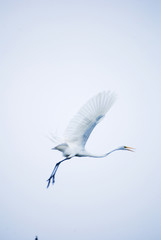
[(79, 129)]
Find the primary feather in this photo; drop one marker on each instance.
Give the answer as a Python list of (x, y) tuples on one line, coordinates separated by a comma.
[(82, 124)]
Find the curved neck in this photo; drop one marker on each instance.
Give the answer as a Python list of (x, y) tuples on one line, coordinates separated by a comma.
[(100, 156)]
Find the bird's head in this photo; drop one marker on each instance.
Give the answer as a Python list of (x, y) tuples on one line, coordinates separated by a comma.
[(127, 148)]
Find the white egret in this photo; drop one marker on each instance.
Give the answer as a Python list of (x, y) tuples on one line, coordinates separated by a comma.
[(79, 129)]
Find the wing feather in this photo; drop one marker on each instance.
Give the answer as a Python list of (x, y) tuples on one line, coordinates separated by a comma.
[(82, 124)]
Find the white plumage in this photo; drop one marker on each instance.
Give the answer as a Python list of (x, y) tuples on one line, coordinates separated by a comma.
[(82, 124), (80, 128)]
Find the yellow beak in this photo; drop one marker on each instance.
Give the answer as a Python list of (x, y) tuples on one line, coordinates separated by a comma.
[(130, 149)]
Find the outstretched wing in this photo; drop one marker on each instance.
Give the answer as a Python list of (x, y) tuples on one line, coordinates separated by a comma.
[(82, 124)]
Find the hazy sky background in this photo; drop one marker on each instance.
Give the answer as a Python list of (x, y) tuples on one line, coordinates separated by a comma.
[(54, 56)]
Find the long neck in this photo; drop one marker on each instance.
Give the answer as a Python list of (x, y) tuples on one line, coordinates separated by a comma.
[(100, 156)]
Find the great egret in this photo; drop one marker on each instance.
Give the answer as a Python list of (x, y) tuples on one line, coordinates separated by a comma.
[(80, 128)]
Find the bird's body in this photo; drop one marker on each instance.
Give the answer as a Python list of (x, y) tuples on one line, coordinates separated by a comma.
[(80, 127)]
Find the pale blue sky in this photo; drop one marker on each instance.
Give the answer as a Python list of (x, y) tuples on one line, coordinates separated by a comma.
[(54, 56)]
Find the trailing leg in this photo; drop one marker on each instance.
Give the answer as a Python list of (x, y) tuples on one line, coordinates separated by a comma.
[(54, 172)]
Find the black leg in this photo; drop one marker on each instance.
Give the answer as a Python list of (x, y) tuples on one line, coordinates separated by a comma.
[(54, 172)]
